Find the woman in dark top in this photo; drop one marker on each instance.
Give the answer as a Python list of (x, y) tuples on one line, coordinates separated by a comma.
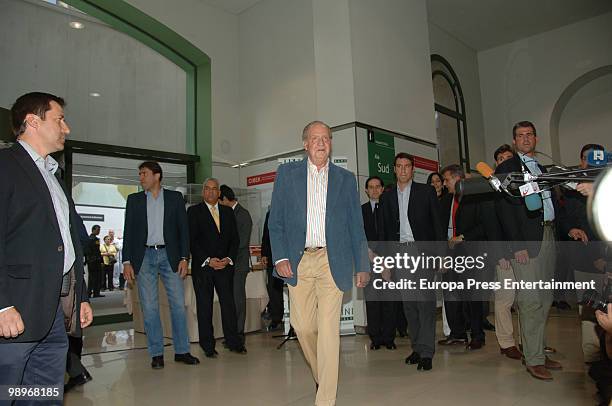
[(435, 179)]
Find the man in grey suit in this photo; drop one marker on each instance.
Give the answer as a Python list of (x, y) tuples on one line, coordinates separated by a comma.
[(245, 225), (318, 243)]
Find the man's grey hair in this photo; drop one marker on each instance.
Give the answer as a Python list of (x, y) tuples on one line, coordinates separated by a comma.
[(209, 179), (455, 170), (312, 124)]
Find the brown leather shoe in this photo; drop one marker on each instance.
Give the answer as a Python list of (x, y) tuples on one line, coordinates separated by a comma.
[(475, 345), (551, 364), (539, 372), (511, 352)]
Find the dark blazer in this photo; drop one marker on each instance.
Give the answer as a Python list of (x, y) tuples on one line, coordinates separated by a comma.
[(468, 219), (423, 214), (31, 246), (524, 228), (347, 249), (245, 226), (369, 221), (477, 220), (135, 231), (266, 249), (206, 241)]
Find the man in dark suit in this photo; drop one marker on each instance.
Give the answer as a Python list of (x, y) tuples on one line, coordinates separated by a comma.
[(213, 234), (464, 217), (42, 290), (274, 286), (380, 313), (94, 262), (410, 212), (318, 243), (243, 256), (156, 244), (532, 243)]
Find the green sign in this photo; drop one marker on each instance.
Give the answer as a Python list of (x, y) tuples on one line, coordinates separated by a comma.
[(381, 151)]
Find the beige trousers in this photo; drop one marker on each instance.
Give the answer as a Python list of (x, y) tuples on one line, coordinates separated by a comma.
[(316, 303), (504, 298)]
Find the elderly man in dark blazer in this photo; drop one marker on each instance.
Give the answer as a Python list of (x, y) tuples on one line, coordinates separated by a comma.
[(318, 244), (214, 244), (42, 289), (156, 243)]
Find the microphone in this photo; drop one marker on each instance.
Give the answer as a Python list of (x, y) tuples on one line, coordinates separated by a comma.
[(533, 202), (473, 186), (488, 173), (599, 158)]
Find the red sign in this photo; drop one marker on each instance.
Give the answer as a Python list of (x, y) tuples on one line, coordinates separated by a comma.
[(261, 179), (427, 164)]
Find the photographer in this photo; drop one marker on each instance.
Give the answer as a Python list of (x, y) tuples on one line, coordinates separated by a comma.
[(601, 371)]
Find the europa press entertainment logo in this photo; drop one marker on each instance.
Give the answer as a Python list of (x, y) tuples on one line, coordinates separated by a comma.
[(599, 157)]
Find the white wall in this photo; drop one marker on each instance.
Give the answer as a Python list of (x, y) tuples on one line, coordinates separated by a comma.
[(277, 76), (464, 61), (587, 119), (523, 80), (143, 95), (215, 32), (391, 66), (333, 62)]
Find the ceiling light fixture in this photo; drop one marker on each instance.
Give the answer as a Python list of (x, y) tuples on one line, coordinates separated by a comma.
[(94, 94), (76, 25)]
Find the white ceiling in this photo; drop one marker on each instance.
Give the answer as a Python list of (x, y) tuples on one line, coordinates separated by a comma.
[(483, 24), (232, 6), (488, 23)]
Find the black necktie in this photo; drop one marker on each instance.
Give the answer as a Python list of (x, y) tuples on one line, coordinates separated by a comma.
[(375, 212)]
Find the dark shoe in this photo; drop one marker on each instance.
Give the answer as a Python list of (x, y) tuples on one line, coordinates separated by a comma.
[(453, 341), (87, 375), (486, 325), (551, 364), (511, 352), (475, 345), (563, 305), (240, 350), (211, 354), (275, 326), (186, 358), (424, 364), (539, 372), (391, 346), (374, 346), (99, 296), (402, 333), (157, 362), (549, 350), (77, 381), (413, 358)]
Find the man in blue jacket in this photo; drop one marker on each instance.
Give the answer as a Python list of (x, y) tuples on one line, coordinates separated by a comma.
[(318, 242)]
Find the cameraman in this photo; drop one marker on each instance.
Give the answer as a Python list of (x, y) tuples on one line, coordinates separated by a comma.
[(605, 321)]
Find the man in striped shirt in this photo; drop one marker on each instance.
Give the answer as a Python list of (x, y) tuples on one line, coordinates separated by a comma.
[(318, 242)]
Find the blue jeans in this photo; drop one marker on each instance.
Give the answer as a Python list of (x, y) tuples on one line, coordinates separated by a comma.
[(156, 262)]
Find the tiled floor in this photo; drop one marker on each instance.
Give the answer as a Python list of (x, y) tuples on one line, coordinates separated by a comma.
[(267, 376)]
